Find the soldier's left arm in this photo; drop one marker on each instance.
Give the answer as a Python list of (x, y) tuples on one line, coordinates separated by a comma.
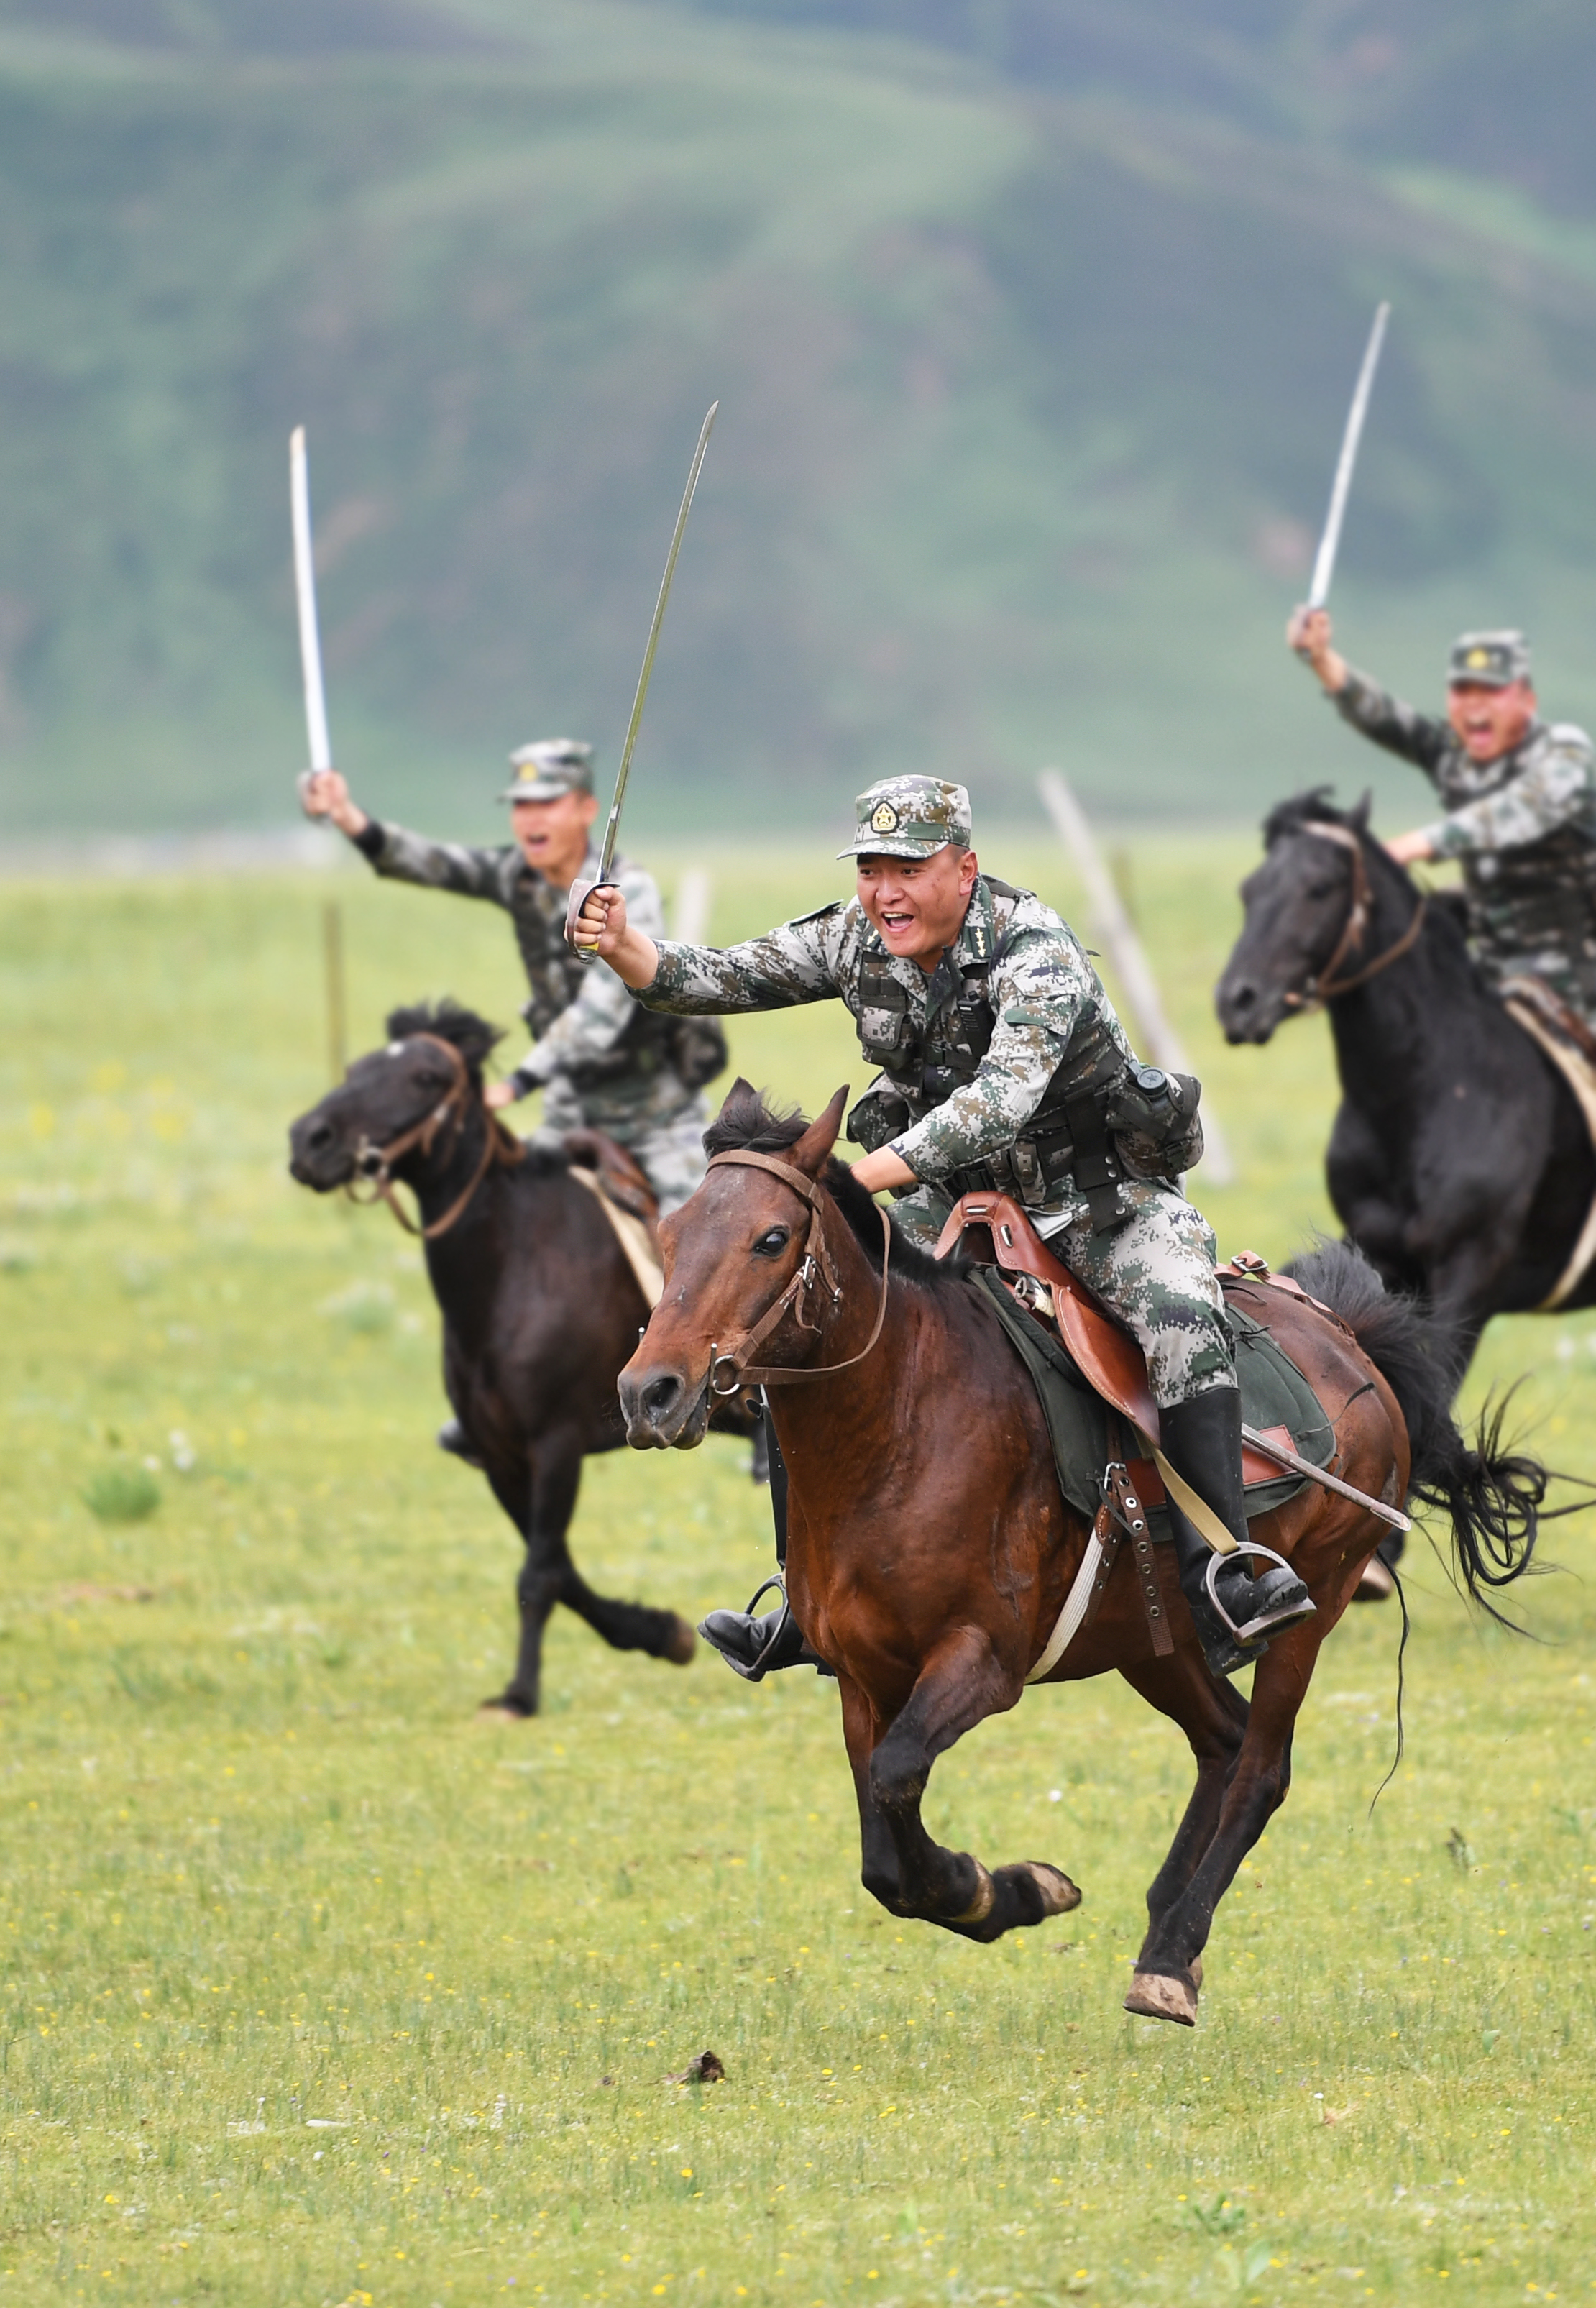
[(1039, 992), (1557, 786), (590, 1026)]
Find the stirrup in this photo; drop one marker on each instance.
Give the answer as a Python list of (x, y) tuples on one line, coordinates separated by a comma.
[(753, 1671), (1253, 1643)]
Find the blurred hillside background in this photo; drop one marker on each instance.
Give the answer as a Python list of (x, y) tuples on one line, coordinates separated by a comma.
[(1034, 324)]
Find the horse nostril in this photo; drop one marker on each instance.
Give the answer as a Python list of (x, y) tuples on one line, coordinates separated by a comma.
[(659, 1396), (318, 1137), (1240, 997)]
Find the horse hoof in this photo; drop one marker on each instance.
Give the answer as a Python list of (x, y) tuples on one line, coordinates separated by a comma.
[(1155, 1995), (1375, 1584), (502, 1711), (681, 1644), (1059, 1894)]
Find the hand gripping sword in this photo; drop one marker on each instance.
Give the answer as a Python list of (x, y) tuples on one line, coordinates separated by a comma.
[(304, 587), (581, 890), (1323, 567)]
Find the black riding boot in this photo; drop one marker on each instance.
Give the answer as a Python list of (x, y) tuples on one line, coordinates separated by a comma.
[(754, 1645), (1202, 1440)]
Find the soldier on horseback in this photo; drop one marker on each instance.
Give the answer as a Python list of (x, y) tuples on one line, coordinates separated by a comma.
[(1001, 1063), (1520, 797), (601, 1062)]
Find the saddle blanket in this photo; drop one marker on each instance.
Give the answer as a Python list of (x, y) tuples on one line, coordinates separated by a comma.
[(1274, 1395)]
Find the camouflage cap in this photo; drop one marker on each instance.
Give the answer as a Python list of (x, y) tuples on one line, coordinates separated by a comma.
[(549, 768), (1492, 660), (910, 817)]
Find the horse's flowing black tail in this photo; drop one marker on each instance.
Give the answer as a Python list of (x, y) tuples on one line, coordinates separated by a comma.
[(1495, 1496)]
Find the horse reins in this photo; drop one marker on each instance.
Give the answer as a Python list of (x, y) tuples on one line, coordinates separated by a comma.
[(814, 1267), (1325, 985), (375, 1164)]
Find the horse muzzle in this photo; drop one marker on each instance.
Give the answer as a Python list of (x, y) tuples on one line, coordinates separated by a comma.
[(663, 1408), (1247, 1011), (319, 1154)]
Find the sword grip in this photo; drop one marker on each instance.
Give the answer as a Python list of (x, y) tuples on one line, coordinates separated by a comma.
[(580, 891)]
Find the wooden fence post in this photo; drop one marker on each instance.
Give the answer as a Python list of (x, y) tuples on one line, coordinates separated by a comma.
[(1112, 924)]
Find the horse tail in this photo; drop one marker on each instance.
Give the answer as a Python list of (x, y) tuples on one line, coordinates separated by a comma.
[(1493, 1494)]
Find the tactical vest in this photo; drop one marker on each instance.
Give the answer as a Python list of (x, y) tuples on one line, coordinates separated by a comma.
[(694, 1049), (1066, 1142), (1543, 894)]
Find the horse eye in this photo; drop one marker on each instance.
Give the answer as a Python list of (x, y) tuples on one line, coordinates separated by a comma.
[(771, 1244), (1320, 889)]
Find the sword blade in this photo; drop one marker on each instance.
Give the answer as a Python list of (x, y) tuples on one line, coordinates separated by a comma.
[(607, 855), (1323, 567), (1284, 1457), (304, 587)]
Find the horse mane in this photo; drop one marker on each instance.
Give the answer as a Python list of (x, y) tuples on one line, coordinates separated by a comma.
[(1314, 807), (1448, 908), (748, 1123), (450, 1021)]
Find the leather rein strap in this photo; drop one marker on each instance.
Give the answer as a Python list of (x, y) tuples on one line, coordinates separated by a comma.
[(814, 1266), (375, 1164), (1326, 985)]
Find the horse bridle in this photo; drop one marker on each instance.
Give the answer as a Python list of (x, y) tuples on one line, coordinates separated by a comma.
[(1325, 985), (374, 1164), (814, 1269)]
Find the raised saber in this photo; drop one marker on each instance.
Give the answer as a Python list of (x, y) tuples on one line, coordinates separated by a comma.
[(1323, 567), (304, 587), (582, 891)]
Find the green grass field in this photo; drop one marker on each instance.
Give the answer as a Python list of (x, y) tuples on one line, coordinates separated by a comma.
[(317, 1990)]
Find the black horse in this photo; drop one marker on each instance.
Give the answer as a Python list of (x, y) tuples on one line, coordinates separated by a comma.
[(540, 1305), (1459, 1162)]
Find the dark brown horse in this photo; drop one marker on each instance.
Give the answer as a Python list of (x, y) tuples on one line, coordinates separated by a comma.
[(929, 1549), (540, 1307)]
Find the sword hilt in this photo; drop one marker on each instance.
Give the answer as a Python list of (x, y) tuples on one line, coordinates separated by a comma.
[(580, 891)]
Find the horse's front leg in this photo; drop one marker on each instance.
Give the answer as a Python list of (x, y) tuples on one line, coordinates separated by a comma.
[(878, 1857), (960, 1685), (521, 1492)]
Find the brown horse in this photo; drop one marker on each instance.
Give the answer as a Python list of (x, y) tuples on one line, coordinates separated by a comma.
[(931, 1551)]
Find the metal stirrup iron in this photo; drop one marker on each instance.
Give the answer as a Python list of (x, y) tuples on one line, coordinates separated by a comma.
[(1210, 1586)]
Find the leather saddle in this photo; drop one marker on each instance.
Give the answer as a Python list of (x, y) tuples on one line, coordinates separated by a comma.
[(618, 1174), (1103, 1351)]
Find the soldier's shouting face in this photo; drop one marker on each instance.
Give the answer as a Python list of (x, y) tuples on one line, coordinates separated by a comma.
[(918, 904), (1490, 721)]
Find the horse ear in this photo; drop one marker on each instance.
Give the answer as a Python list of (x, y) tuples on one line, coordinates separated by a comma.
[(813, 1151), (1359, 815)]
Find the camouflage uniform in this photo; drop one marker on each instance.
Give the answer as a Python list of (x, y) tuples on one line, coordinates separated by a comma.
[(599, 1061), (965, 1112), (1524, 825)]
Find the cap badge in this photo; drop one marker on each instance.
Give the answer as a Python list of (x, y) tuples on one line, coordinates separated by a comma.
[(883, 818), (1477, 657)]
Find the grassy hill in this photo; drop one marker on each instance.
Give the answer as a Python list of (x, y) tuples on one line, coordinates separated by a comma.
[(1033, 327)]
